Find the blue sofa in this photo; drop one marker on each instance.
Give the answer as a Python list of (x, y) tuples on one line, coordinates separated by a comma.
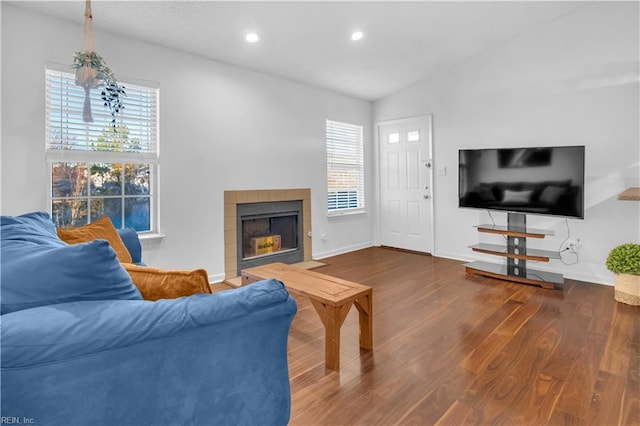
[(79, 346)]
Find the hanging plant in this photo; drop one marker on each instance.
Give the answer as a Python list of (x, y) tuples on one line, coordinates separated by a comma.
[(92, 72)]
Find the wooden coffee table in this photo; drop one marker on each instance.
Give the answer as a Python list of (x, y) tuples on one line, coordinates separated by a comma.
[(332, 299)]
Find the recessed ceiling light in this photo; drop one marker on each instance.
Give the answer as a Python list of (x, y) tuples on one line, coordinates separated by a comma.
[(252, 37), (357, 36)]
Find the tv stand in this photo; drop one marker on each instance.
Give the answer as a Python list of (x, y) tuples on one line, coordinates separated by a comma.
[(516, 254)]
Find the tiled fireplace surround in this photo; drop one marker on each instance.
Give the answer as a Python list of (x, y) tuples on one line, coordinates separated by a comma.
[(231, 201)]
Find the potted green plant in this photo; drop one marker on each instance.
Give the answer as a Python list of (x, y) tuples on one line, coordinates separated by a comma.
[(624, 262)]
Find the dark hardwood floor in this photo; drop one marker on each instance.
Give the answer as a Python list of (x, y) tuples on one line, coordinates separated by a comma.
[(451, 348)]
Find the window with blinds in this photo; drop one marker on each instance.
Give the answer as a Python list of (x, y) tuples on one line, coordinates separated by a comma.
[(345, 168), (101, 168)]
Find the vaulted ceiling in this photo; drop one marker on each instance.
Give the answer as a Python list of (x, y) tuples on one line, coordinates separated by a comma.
[(309, 42)]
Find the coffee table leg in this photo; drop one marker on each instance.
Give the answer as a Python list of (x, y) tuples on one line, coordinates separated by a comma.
[(332, 317), (364, 305), (332, 340)]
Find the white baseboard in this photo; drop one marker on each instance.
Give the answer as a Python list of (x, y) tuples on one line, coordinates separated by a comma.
[(592, 277), (453, 256), (342, 250), (216, 278)]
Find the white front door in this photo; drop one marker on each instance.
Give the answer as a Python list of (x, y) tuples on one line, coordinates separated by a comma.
[(405, 184)]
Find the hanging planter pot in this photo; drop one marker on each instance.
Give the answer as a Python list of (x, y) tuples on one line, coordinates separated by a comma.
[(92, 72)]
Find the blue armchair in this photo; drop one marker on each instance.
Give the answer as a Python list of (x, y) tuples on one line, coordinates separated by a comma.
[(80, 346)]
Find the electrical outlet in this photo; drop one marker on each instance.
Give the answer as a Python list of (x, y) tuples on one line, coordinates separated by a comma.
[(575, 245)]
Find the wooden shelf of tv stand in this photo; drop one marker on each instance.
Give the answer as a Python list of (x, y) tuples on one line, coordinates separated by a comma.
[(515, 232), (501, 250)]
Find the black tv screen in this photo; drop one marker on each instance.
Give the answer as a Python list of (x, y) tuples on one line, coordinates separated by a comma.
[(545, 180)]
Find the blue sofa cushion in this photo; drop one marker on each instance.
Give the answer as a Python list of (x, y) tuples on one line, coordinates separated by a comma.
[(130, 239), (36, 228), (73, 330), (36, 269)]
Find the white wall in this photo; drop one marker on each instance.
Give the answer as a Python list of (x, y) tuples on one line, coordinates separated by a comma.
[(221, 128), (573, 81)]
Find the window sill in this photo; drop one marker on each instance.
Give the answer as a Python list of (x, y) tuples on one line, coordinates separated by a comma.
[(150, 236), (346, 213)]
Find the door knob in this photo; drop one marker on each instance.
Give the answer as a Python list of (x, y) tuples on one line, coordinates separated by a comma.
[(425, 196)]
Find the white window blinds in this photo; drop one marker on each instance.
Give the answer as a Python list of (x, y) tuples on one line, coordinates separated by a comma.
[(135, 138), (345, 168)]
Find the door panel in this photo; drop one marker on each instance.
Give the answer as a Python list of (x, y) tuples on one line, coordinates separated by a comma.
[(394, 211), (414, 215), (393, 171), (413, 170)]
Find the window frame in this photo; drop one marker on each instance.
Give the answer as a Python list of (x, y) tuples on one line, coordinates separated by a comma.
[(150, 156), (356, 154)]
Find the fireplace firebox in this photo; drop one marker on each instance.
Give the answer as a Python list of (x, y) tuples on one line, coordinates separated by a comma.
[(269, 232)]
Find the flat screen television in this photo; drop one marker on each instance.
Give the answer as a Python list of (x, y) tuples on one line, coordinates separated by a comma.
[(536, 180)]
